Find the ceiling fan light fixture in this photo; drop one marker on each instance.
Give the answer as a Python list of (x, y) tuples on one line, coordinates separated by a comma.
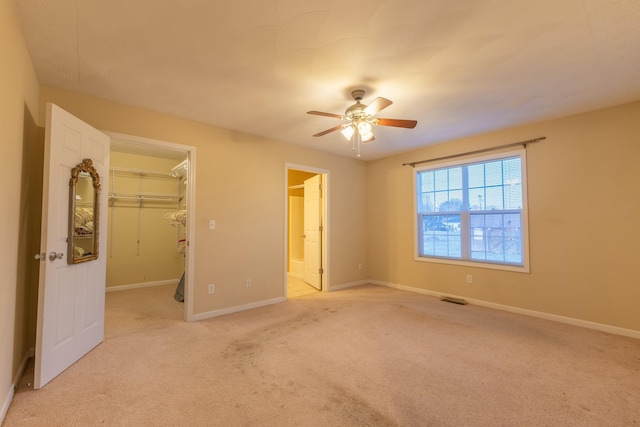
[(364, 128), (365, 131), (348, 132), (366, 137)]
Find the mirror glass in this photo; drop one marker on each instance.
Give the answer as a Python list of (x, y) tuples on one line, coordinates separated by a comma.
[(84, 209)]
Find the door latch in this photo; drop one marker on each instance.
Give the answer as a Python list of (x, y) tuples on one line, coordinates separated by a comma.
[(54, 256)]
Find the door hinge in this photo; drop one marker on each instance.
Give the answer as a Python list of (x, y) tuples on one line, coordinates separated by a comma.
[(321, 271), (321, 228)]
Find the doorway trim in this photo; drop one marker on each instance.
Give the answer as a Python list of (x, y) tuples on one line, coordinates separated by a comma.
[(325, 265), (191, 199)]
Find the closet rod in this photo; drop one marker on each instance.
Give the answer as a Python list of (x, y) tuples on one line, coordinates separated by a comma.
[(484, 150)]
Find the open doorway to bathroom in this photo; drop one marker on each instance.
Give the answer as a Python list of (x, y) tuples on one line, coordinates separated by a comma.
[(306, 247)]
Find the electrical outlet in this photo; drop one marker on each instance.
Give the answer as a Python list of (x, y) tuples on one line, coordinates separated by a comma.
[(248, 283), (469, 278), (212, 224), (211, 288)]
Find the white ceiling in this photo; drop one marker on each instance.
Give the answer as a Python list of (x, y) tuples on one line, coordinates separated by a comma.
[(459, 67)]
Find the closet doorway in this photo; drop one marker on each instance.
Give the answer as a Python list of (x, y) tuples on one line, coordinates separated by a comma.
[(151, 195), (306, 269)]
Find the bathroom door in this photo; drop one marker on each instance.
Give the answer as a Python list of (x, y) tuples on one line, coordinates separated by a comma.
[(70, 318), (313, 231)]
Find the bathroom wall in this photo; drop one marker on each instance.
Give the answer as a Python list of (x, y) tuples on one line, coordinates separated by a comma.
[(296, 216)]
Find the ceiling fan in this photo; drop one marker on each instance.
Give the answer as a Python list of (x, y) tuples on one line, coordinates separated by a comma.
[(361, 118)]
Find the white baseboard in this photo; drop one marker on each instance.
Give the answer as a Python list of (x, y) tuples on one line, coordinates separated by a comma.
[(348, 285), (237, 308), (16, 380), (541, 315), (142, 285), (6, 403)]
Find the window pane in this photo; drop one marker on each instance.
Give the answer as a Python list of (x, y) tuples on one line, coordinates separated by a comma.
[(455, 179), (441, 236), (455, 201), (513, 196), (442, 198), (442, 179), (476, 175), (425, 202), (493, 173), (513, 238), (494, 198), (496, 237), (427, 181), (476, 199), (512, 170)]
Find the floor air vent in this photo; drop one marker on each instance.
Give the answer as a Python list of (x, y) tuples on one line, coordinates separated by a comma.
[(454, 300)]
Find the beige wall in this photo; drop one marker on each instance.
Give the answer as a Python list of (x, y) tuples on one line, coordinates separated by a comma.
[(18, 142), (142, 245), (240, 181), (583, 220)]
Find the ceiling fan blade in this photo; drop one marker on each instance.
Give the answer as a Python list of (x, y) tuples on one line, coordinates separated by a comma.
[(320, 113), (333, 129), (377, 105), (409, 124)]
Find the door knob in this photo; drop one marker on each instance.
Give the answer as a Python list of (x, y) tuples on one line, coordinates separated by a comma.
[(54, 256)]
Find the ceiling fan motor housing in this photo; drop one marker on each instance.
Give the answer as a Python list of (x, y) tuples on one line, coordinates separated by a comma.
[(357, 94), (356, 111)]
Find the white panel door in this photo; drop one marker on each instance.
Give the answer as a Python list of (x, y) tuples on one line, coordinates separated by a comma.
[(70, 297), (313, 231)]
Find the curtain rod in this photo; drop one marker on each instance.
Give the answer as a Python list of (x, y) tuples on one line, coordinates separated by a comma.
[(484, 150)]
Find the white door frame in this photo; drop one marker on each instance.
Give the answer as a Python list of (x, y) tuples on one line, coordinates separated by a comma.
[(325, 219), (191, 200)]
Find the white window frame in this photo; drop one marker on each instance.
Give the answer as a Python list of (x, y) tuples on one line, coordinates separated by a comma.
[(524, 268)]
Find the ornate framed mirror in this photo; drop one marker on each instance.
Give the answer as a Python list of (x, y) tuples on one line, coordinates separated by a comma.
[(84, 213)]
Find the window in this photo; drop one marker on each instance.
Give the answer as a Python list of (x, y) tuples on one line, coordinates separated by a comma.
[(474, 212)]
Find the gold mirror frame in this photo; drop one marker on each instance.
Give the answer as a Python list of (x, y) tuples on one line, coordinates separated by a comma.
[(84, 213)]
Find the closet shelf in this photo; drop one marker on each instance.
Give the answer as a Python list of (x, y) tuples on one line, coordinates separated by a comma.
[(141, 172), (141, 197)]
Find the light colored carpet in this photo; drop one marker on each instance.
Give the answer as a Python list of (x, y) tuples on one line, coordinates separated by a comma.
[(367, 356)]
